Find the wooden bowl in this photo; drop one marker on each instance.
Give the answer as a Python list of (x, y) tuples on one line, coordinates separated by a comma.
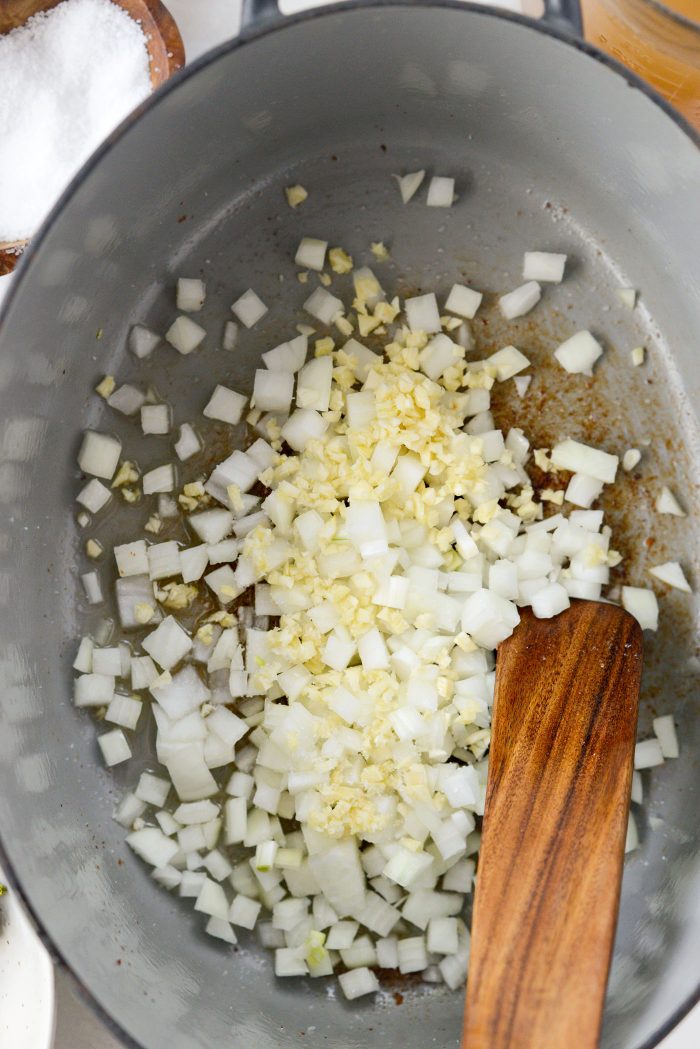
[(166, 54)]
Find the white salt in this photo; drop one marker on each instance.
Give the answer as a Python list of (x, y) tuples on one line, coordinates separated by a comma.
[(69, 76)]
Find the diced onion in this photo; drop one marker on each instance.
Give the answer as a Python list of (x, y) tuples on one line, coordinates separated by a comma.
[(665, 732), (114, 747), (249, 308), (544, 266), (94, 496), (666, 503), (155, 419), (508, 362), (311, 254), (581, 458), (409, 184), (99, 454), (314, 629), (184, 335), (323, 306), (230, 336), (630, 459), (225, 405), (642, 604), (441, 192), (142, 342), (160, 479), (671, 572), (187, 444), (358, 982), (191, 294), (463, 301), (520, 301), (627, 296), (648, 754), (422, 313), (579, 353), (126, 399)]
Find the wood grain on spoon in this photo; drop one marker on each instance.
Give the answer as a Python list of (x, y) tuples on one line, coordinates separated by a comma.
[(550, 865)]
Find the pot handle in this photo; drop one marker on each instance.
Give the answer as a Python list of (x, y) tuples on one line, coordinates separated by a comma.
[(562, 14), (259, 12)]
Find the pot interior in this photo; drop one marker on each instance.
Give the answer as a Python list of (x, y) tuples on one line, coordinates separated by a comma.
[(551, 150)]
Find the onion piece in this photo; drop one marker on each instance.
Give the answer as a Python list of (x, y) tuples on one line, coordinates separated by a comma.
[(324, 306), (648, 754), (94, 496), (507, 362), (314, 384), (114, 746), (142, 341), (520, 301), (579, 353), (630, 459), (167, 644), (550, 601), (311, 254), (358, 982), (632, 836), (671, 573), (422, 313), (155, 419), (409, 184), (131, 558), (441, 192), (666, 503), (92, 587), (665, 732), (463, 301), (225, 405), (160, 479), (522, 383), (244, 911), (642, 604), (249, 308), (187, 444), (412, 954), (191, 293), (184, 335), (581, 458), (229, 340), (303, 426), (126, 399), (544, 266), (627, 296), (288, 356), (152, 789), (99, 454), (439, 355), (152, 846), (583, 490)]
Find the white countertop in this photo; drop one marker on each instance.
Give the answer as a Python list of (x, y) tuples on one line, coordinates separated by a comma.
[(203, 24)]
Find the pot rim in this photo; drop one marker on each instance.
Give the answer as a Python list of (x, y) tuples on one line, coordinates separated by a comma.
[(249, 34)]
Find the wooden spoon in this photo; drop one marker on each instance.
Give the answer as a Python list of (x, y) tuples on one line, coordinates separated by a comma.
[(550, 864), (166, 54)]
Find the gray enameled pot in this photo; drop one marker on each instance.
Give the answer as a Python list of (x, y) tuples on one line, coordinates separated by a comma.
[(553, 147)]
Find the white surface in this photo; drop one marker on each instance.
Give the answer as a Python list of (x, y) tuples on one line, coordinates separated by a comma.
[(26, 982), (205, 23)]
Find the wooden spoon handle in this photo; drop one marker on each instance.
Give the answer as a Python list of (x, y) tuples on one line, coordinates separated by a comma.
[(548, 885)]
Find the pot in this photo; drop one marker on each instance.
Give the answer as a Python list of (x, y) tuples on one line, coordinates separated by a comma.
[(553, 147)]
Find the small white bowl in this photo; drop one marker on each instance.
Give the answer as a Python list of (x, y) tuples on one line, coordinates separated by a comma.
[(27, 1004)]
